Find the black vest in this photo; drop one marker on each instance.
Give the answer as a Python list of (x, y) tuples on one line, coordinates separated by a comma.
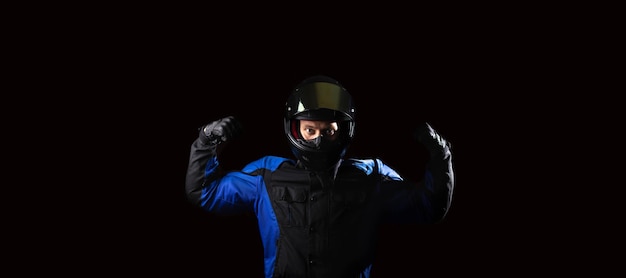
[(327, 225)]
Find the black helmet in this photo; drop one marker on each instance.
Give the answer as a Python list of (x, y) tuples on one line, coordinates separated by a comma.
[(319, 98)]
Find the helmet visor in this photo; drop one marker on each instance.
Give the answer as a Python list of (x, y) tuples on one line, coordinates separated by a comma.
[(321, 96)]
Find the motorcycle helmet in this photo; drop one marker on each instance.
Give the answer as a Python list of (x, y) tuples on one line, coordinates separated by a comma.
[(319, 98)]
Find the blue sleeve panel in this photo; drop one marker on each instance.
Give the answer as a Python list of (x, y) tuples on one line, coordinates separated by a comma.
[(245, 191)]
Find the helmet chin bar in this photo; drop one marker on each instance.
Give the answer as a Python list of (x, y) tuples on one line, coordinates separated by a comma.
[(319, 143), (313, 143), (319, 153)]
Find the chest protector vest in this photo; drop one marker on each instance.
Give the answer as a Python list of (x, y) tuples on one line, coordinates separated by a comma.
[(327, 225)]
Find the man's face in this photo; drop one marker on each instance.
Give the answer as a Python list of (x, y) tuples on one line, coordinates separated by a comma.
[(313, 129)]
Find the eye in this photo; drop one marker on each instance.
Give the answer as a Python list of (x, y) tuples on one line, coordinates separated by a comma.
[(329, 132)]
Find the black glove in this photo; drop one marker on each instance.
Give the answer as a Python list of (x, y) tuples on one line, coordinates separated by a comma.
[(220, 131), (436, 145)]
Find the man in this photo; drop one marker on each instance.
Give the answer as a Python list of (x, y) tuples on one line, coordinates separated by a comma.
[(318, 213)]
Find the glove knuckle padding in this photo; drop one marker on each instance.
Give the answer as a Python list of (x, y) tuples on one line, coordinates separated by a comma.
[(220, 131), (434, 142), (228, 128)]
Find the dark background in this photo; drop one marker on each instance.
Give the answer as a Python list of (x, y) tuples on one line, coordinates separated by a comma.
[(119, 101)]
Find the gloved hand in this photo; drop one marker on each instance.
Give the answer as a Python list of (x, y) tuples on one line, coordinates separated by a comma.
[(436, 145), (220, 131)]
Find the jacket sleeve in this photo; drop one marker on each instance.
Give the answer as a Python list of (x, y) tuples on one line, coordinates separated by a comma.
[(209, 187), (199, 157), (439, 176), (428, 200)]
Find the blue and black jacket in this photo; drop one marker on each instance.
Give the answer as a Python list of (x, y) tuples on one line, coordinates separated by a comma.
[(321, 224)]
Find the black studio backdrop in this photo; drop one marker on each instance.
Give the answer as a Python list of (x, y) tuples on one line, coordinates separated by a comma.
[(121, 103)]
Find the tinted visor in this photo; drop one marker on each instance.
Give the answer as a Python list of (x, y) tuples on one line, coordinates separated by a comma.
[(320, 101)]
